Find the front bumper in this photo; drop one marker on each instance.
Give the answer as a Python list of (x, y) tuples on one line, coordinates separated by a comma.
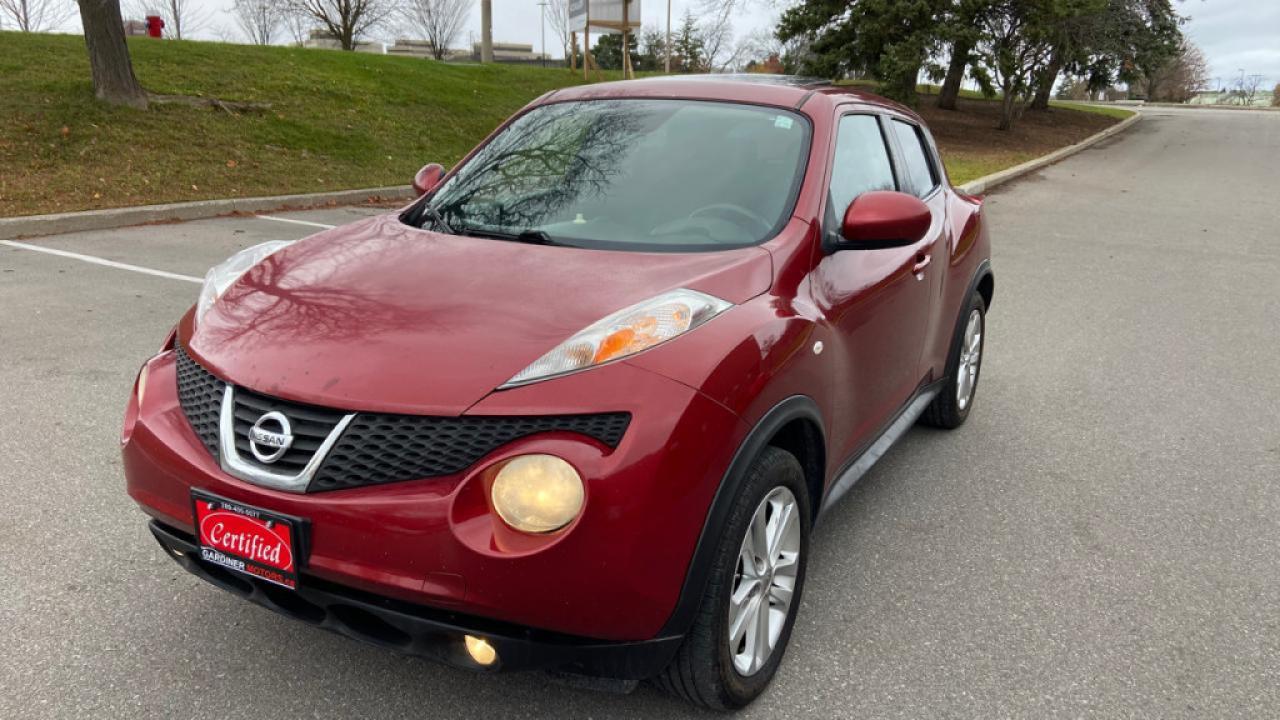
[(614, 575), (426, 632)]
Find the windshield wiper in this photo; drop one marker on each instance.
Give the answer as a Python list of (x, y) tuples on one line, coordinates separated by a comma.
[(430, 211), (531, 236), (536, 237)]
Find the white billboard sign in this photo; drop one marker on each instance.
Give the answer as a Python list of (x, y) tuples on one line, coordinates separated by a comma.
[(605, 15)]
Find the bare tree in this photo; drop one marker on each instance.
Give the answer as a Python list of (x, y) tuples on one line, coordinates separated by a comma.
[(185, 17), (258, 19), (558, 19), (1184, 74), (440, 21), (758, 47), (37, 15), (347, 20), (113, 78), (719, 50), (297, 23), (1249, 87)]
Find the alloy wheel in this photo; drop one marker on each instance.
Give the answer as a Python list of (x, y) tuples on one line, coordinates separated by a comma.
[(970, 360), (764, 581)]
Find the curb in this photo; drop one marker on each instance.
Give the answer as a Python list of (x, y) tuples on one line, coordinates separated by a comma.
[(58, 223), (1185, 106), (988, 182)]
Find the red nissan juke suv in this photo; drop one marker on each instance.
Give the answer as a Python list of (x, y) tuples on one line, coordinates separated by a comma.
[(578, 407)]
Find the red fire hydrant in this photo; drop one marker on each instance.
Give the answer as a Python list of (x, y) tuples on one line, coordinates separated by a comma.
[(155, 24)]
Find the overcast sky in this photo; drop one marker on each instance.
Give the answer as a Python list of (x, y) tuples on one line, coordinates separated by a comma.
[(1234, 34)]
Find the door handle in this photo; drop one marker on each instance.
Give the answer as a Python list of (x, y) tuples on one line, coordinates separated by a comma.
[(922, 262)]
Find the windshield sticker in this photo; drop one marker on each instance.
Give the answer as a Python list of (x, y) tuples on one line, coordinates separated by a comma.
[(782, 121)]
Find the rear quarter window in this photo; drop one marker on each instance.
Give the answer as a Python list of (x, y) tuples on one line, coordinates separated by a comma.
[(918, 174)]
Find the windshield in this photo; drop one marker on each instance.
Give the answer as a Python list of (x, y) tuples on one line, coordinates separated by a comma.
[(629, 174)]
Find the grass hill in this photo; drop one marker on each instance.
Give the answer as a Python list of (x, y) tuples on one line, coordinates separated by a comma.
[(337, 120)]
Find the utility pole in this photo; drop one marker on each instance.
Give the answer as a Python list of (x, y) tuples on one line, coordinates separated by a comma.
[(668, 37), (586, 42), (486, 31), (543, 6), (626, 46)]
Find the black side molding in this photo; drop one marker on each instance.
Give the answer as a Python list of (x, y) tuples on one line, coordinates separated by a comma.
[(858, 465), (695, 580)]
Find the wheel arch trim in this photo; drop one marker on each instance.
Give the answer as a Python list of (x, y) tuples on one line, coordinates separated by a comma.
[(981, 275), (795, 407)]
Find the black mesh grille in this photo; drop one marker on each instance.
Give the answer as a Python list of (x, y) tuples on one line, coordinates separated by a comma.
[(200, 394), (375, 448), (309, 425), (385, 448)]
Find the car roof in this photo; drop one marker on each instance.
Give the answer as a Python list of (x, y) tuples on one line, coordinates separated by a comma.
[(780, 90)]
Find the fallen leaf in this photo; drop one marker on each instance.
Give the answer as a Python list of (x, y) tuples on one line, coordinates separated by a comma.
[(66, 131), (231, 163)]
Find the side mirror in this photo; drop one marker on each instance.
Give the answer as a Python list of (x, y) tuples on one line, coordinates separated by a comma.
[(883, 219), (428, 178)]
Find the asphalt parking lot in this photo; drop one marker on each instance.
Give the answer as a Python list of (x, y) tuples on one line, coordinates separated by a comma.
[(1101, 539)]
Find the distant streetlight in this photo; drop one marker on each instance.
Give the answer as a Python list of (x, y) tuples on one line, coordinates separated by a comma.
[(543, 6)]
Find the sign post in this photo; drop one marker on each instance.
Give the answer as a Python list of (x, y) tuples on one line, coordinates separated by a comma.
[(605, 16)]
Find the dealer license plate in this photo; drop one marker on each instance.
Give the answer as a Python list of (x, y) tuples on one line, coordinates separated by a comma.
[(247, 540)]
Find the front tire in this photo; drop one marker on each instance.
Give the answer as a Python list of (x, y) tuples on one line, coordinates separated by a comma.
[(964, 364), (744, 622)]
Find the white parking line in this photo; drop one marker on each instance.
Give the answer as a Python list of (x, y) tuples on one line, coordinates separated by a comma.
[(295, 222), (100, 261)]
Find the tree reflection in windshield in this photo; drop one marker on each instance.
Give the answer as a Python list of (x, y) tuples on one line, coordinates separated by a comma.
[(647, 174), (544, 160)]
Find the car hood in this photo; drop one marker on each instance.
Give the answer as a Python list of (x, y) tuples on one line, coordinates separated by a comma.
[(382, 317)]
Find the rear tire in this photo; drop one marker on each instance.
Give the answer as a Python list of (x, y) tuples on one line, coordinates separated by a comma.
[(708, 669), (964, 365)]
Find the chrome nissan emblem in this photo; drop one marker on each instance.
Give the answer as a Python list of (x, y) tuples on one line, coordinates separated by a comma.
[(270, 437)]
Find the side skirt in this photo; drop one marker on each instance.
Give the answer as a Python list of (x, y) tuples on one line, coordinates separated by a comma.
[(854, 470)]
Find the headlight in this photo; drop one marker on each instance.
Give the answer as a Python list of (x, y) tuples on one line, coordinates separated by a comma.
[(624, 333), (221, 276), (537, 493)]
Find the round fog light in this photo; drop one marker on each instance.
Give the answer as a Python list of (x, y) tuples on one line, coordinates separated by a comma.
[(480, 650), (537, 493)]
